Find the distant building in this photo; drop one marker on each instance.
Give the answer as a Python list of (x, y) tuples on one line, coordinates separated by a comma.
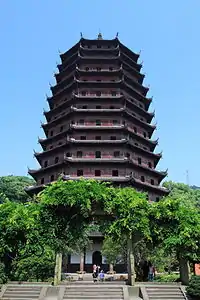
[(98, 125)]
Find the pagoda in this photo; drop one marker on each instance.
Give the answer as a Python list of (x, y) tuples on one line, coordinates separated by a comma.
[(98, 124)]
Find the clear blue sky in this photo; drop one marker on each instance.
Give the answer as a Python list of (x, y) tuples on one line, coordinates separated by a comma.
[(167, 33)]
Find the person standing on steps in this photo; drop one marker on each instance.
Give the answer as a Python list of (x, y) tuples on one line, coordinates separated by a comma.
[(94, 273), (151, 272)]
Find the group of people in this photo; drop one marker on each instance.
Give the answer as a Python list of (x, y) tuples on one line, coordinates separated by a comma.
[(97, 274)]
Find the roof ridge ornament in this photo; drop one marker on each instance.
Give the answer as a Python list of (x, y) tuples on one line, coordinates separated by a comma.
[(117, 35), (81, 34)]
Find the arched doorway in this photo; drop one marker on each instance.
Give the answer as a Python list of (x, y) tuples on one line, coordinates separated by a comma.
[(97, 258)]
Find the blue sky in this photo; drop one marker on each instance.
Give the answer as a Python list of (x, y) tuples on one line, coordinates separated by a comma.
[(166, 32)]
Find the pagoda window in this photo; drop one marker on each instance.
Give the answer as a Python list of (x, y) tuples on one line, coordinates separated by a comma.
[(157, 199), (98, 93), (113, 138), (51, 133), (112, 107), (115, 173), (68, 154), (98, 107), (56, 160), (140, 105), (52, 178), (98, 46), (86, 69), (113, 93), (98, 69), (98, 137), (116, 154), (139, 161), (81, 122), (79, 154), (150, 164), (110, 68), (135, 129), (136, 144), (99, 80), (98, 154), (79, 172), (142, 179), (61, 128), (60, 143), (46, 163), (42, 181), (152, 181), (128, 155), (83, 93), (97, 172), (84, 106), (98, 122), (51, 147), (144, 134), (83, 137), (115, 122)]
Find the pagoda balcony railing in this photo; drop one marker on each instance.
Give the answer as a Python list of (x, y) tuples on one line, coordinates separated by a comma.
[(91, 159), (100, 49), (98, 57), (148, 184), (106, 177), (99, 82), (103, 95), (95, 70), (97, 109), (94, 126), (103, 141)]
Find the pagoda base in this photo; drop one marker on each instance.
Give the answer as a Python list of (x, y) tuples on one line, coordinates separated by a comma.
[(84, 262)]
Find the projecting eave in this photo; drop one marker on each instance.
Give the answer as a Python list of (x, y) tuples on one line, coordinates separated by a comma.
[(129, 52), (155, 156), (147, 115), (150, 143), (143, 90), (131, 70), (138, 96), (148, 187), (143, 124), (70, 52)]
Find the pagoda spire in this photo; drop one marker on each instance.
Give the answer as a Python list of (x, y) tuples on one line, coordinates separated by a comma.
[(100, 37)]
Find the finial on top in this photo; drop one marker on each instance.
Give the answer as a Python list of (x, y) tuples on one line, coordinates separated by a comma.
[(100, 37), (117, 35), (81, 35)]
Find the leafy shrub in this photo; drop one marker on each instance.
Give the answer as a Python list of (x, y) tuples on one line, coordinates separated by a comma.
[(39, 268), (194, 287), (3, 277), (167, 278)]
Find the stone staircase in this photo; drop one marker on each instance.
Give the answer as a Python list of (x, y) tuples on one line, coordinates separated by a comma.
[(21, 292), (162, 292), (97, 291)]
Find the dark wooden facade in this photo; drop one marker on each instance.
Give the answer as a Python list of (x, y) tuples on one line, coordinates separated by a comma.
[(98, 125)]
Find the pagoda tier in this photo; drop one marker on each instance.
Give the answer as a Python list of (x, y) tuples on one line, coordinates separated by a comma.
[(98, 125)]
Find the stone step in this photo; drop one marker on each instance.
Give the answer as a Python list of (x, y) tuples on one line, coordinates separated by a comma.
[(93, 297)]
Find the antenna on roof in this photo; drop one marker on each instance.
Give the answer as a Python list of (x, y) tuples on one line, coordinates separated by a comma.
[(187, 178)]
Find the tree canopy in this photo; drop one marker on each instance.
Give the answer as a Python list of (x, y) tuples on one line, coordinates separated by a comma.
[(12, 187)]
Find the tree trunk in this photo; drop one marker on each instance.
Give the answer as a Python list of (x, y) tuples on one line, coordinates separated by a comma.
[(111, 268), (130, 262), (184, 270), (58, 269), (82, 262)]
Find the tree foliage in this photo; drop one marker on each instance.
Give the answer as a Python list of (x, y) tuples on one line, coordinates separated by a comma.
[(12, 187)]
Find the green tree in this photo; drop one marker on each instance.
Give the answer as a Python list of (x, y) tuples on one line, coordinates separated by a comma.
[(12, 187), (131, 219), (65, 213), (176, 222)]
